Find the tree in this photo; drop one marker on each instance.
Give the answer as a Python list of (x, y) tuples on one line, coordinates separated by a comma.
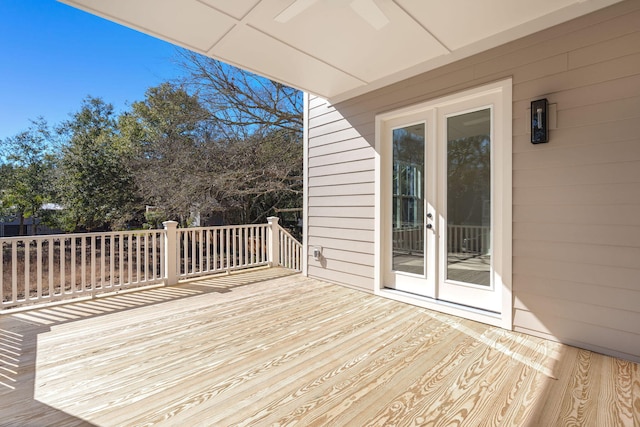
[(259, 160), (96, 187), (185, 164), (166, 132), (242, 102), (28, 173), (258, 174)]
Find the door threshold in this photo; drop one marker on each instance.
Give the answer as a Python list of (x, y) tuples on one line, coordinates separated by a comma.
[(466, 312)]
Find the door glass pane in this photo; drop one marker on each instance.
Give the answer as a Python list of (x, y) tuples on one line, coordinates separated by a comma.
[(408, 199), (469, 197)]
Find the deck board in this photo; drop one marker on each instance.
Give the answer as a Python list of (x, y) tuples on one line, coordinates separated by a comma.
[(269, 347)]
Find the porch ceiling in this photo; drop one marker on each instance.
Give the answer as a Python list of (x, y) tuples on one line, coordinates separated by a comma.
[(338, 49)]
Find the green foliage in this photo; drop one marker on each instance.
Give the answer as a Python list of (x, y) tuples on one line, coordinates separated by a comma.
[(154, 218), (166, 133), (95, 187), (27, 174), (183, 165), (230, 145)]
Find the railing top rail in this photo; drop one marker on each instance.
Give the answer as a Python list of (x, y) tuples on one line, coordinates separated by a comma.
[(78, 235), (219, 227), (286, 233)]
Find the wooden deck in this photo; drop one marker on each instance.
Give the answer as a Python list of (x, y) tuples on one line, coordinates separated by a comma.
[(269, 347)]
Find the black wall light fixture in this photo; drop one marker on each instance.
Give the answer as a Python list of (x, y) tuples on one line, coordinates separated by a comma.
[(539, 121)]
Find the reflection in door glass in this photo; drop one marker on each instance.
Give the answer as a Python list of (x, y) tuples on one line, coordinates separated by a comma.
[(408, 199), (469, 197)]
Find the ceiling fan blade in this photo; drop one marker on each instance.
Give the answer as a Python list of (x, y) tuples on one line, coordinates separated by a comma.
[(294, 9), (370, 12)]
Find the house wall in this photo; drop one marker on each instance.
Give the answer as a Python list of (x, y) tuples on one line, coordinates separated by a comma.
[(576, 200)]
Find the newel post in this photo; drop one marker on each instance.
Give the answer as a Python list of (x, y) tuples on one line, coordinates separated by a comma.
[(274, 241), (170, 252)]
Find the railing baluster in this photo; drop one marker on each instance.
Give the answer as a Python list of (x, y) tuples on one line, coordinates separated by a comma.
[(249, 244), (202, 251), (146, 257), (84, 244), (262, 230), (234, 245), (259, 243), (159, 242), (153, 255), (214, 237), (112, 256), (244, 245), (38, 269), (72, 261), (192, 236), (92, 269), (121, 272), (185, 250), (229, 249), (252, 245), (103, 256), (129, 259), (137, 241), (14, 271), (63, 256), (264, 245), (51, 244), (27, 262), (240, 247), (290, 254), (208, 234), (2, 293)]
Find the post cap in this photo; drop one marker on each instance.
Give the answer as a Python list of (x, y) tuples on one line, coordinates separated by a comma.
[(273, 219)]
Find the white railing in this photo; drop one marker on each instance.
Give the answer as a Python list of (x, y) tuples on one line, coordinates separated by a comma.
[(461, 239), (55, 267), (468, 239), (38, 269), (408, 240), (208, 250), (290, 251)]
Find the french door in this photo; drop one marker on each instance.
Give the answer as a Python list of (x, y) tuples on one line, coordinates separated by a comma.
[(442, 202)]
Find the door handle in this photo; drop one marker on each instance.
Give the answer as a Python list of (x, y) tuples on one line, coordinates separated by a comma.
[(429, 226), (429, 215)]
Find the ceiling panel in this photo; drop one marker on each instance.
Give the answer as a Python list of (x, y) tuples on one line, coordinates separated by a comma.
[(262, 54), (458, 23), (236, 8), (337, 34), (339, 49), (189, 23)]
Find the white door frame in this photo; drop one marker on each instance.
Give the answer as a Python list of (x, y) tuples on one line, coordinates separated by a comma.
[(501, 93)]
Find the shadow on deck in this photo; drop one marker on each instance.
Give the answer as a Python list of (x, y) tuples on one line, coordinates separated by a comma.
[(269, 346)]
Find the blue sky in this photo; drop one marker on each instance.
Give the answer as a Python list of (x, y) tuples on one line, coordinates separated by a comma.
[(52, 56)]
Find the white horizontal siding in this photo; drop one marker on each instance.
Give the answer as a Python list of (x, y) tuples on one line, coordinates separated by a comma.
[(596, 215), (341, 157), (340, 146), (576, 213), (341, 190), (366, 176), (340, 198)]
